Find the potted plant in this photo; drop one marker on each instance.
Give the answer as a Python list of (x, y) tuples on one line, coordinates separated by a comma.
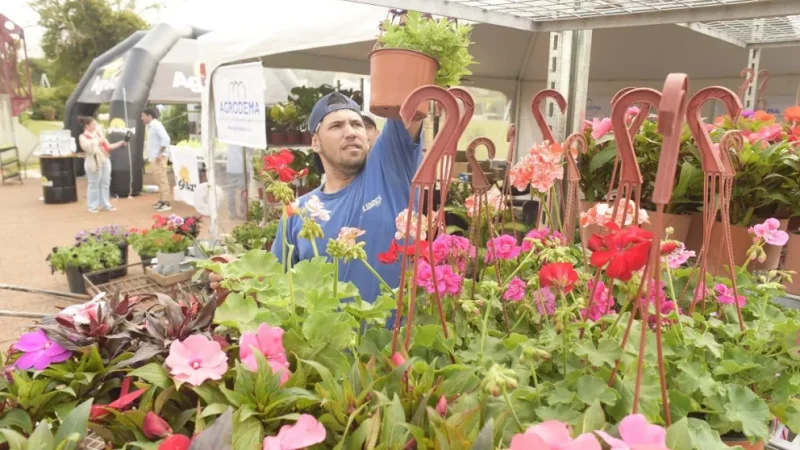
[(293, 122), (168, 246), (115, 234), (88, 256), (253, 236), (187, 226), (277, 132), (415, 52)]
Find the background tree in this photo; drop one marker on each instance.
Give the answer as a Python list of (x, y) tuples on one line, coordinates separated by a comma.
[(77, 31)]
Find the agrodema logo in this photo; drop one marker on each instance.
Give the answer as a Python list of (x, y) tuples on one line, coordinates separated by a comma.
[(237, 102)]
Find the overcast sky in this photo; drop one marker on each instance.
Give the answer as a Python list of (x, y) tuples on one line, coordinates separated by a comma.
[(209, 14)]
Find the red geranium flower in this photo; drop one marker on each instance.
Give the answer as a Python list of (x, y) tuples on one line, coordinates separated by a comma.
[(561, 276), (625, 251), (396, 250), (279, 165), (668, 247)]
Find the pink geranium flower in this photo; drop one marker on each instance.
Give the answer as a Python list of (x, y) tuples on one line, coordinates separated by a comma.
[(40, 351), (447, 281), (725, 295), (770, 232), (540, 234), (269, 341), (552, 435), (679, 256), (515, 291), (502, 247), (306, 432), (637, 434), (545, 301), (603, 302), (196, 360), (455, 250)]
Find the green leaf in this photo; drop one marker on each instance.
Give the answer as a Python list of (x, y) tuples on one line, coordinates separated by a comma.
[(703, 437), (605, 354), (392, 433), (42, 437), (562, 413), (748, 410), (593, 419), (695, 377), (237, 312), (705, 340), (561, 396), (678, 437), (591, 389), (326, 329), (155, 374), (17, 418), (603, 157), (513, 341), (248, 433), (485, 439), (680, 404), (426, 335), (214, 409), (76, 422), (15, 440)]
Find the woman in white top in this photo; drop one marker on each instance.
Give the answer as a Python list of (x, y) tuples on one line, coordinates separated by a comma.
[(97, 165)]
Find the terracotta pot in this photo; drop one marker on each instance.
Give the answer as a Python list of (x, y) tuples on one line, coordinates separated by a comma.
[(694, 239), (680, 223), (305, 139), (740, 240), (277, 138), (744, 443), (293, 137), (792, 262), (394, 75), (587, 232)]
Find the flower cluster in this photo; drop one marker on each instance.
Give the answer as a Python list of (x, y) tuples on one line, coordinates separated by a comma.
[(185, 226), (494, 199), (542, 236), (601, 213), (278, 164), (675, 254), (448, 282), (602, 303), (634, 430), (454, 250), (401, 221), (502, 247), (111, 233), (539, 168), (624, 250)]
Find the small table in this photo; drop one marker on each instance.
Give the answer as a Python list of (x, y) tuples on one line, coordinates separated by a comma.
[(58, 178)]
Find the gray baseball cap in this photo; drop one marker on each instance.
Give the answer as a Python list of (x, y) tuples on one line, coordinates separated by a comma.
[(334, 101)]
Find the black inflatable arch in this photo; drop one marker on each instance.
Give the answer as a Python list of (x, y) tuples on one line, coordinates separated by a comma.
[(143, 50)]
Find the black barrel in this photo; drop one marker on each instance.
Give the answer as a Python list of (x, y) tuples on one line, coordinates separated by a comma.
[(58, 179)]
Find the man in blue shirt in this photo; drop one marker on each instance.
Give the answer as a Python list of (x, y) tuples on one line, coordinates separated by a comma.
[(363, 189), (158, 155)]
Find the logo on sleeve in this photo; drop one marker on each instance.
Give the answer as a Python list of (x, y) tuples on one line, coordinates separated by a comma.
[(374, 203)]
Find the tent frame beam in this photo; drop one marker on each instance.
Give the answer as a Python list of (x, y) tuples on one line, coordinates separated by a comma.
[(741, 11), (716, 34)]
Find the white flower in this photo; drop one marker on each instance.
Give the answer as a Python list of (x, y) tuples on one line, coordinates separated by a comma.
[(316, 209), (82, 314), (400, 225)]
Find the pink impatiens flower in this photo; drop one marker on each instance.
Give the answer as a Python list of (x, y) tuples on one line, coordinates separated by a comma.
[(637, 434), (196, 360), (515, 291), (40, 351), (552, 435), (269, 341), (725, 295), (502, 247), (84, 313), (306, 432), (600, 127), (770, 231)]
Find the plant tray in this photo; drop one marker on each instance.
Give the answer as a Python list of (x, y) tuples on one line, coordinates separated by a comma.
[(168, 280)]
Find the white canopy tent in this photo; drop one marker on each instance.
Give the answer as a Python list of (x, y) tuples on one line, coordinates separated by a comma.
[(512, 59)]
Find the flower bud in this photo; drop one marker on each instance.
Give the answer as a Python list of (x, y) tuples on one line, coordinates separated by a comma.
[(398, 359), (155, 427), (176, 442), (441, 406), (498, 379)]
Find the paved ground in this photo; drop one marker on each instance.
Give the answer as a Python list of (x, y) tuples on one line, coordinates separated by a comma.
[(29, 230)]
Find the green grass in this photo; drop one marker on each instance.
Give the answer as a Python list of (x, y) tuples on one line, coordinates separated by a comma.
[(37, 126)]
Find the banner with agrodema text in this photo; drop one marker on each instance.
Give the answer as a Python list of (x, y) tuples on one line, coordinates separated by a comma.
[(239, 105)]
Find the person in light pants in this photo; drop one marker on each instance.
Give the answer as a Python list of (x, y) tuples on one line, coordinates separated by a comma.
[(97, 165), (158, 155)]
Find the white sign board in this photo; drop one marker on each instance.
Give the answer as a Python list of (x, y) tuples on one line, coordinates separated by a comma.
[(187, 175), (239, 105)]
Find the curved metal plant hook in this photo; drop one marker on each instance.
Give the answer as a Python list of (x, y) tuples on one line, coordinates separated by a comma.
[(575, 144), (718, 181), (422, 187), (508, 200), (547, 133), (633, 128), (763, 78), (748, 74)]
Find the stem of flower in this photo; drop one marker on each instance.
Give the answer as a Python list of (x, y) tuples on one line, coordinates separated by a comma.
[(484, 329), (564, 331), (375, 273), (314, 246), (336, 278), (518, 268), (511, 408), (557, 209), (535, 377), (291, 287), (674, 299), (284, 246)]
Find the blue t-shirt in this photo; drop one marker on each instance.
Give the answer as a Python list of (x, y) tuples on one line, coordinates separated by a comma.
[(371, 202)]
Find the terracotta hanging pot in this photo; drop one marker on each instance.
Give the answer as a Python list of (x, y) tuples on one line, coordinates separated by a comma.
[(680, 223), (306, 138), (694, 239), (744, 443), (293, 137), (277, 138), (740, 240), (394, 75), (792, 262)]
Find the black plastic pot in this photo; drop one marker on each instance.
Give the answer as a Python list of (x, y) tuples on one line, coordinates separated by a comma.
[(75, 280), (123, 270), (146, 261), (99, 278)]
